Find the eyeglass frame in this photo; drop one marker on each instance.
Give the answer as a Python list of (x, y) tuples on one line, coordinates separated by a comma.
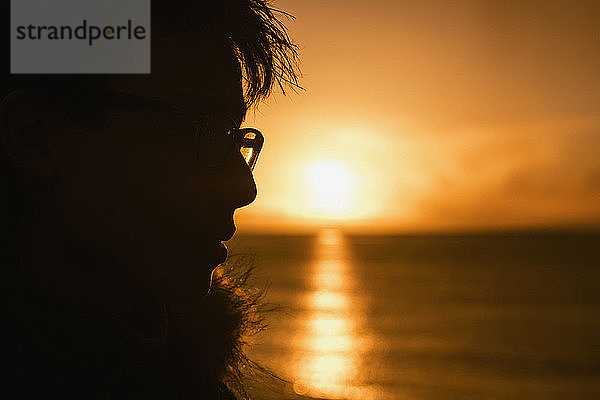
[(238, 134)]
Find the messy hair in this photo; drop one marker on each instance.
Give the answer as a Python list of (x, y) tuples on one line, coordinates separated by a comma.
[(265, 50), (255, 32), (253, 29)]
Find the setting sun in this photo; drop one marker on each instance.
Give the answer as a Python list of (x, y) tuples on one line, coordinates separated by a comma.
[(332, 186)]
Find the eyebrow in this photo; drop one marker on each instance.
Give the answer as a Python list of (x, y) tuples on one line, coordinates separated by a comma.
[(237, 114), (236, 109)]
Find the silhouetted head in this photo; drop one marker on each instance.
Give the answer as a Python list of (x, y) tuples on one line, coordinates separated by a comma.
[(108, 167)]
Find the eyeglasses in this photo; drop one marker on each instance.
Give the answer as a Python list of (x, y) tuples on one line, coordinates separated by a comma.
[(214, 135)]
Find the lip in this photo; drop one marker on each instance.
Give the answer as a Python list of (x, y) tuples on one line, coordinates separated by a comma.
[(227, 235), (221, 253)]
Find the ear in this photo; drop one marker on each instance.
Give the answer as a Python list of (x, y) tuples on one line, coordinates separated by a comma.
[(25, 133)]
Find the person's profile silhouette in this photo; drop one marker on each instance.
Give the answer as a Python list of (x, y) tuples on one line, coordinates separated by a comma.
[(117, 192)]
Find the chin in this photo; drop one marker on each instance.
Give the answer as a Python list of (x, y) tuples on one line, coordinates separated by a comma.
[(190, 287)]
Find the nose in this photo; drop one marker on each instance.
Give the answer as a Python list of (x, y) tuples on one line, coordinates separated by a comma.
[(240, 188)]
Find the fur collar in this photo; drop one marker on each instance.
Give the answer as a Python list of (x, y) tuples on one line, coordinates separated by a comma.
[(182, 351)]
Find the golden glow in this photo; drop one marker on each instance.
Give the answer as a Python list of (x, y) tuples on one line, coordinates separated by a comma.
[(329, 324), (325, 300), (329, 280), (435, 116), (332, 344), (247, 153), (332, 187), (329, 238), (328, 361)]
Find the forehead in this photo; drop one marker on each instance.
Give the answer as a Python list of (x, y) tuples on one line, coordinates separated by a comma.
[(190, 71)]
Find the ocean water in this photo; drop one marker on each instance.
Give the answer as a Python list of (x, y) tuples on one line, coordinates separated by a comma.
[(499, 316)]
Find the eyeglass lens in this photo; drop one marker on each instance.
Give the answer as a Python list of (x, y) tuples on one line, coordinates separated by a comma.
[(214, 141)]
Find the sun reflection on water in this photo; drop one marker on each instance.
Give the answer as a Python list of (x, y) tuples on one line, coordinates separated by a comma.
[(334, 338)]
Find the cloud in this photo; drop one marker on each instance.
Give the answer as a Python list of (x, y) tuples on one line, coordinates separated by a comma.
[(532, 177)]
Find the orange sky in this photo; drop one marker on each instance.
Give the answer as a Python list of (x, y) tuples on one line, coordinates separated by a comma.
[(434, 115)]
